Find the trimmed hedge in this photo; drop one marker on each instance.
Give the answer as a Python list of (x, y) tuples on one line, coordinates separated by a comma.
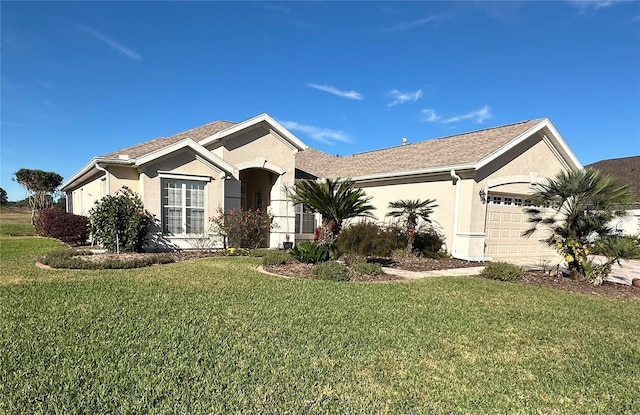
[(276, 258), (502, 271), (69, 259)]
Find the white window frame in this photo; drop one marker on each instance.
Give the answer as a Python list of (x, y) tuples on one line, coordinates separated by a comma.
[(183, 180), (299, 220)]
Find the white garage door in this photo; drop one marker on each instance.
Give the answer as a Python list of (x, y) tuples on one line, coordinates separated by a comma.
[(506, 221)]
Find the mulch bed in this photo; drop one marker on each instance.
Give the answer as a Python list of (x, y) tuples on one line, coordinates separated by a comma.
[(537, 278)]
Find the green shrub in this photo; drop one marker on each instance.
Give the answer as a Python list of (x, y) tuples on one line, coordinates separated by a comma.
[(368, 239), (502, 271), (121, 222), (429, 243), (367, 268), (352, 259), (310, 252), (69, 259), (276, 258), (331, 271)]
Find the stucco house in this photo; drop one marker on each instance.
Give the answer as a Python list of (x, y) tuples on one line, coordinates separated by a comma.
[(480, 180), (627, 171)]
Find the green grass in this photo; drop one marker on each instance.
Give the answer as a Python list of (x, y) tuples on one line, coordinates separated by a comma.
[(15, 223), (215, 336)]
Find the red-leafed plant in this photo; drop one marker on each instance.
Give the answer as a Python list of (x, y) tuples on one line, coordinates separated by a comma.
[(243, 229)]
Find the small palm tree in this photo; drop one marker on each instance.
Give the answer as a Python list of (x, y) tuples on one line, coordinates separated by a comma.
[(411, 210), (583, 203), (615, 249), (336, 200)]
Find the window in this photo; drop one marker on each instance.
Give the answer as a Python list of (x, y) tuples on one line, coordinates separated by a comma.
[(182, 207), (508, 201), (517, 201), (496, 200), (305, 219)]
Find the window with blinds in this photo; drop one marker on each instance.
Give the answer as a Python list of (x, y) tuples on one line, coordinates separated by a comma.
[(183, 206)]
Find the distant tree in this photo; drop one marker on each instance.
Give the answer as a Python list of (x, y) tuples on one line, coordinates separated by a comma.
[(40, 186), (411, 211), (3, 197), (61, 203)]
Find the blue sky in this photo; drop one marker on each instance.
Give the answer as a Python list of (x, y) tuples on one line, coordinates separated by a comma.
[(81, 79)]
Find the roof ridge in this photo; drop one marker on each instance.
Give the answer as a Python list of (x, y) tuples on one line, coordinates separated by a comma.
[(122, 150), (446, 137), (200, 126)]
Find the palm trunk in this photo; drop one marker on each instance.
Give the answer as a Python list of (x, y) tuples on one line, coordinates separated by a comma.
[(411, 233)]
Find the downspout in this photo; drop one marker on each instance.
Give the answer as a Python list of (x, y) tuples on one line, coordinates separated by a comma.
[(456, 211), (108, 176)]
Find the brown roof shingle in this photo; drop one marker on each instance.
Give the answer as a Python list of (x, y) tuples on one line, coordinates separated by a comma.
[(196, 134), (626, 170), (467, 148)]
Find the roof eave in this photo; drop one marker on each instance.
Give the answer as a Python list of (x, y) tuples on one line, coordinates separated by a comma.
[(410, 173), (91, 165)]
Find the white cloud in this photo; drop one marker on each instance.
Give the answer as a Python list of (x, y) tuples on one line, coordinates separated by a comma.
[(112, 43), (335, 91), (324, 135), (478, 116), (415, 23), (430, 115), (593, 4), (402, 97)]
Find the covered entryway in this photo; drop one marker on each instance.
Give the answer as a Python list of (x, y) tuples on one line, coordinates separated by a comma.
[(256, 185), (505, 223)]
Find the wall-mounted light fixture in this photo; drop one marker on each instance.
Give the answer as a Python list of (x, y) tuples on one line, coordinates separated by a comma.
[(483, 195)]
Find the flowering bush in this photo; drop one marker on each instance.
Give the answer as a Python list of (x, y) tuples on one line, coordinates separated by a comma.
[(121, 222), (243, 229)]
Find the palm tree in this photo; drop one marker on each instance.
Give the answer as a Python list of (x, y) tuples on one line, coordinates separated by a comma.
[(411, 210), (336, 200), (582, 202)]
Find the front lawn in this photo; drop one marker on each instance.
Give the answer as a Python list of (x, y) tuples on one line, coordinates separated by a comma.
[(215, 336)]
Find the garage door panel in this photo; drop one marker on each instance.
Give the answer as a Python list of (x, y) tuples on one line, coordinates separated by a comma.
[(504, 227)]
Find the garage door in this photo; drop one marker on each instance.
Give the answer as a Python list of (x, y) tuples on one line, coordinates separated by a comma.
[(506, 221)]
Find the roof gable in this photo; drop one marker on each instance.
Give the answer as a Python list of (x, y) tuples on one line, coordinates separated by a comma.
[(281, 132)]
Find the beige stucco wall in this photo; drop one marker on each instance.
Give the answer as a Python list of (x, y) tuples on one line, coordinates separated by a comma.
[(259, 148), (439, 187), (86, 194), (514, 173), (182, 163), (123, 176)]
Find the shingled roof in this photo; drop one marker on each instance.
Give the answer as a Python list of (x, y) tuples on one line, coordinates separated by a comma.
[(196, 134), (625, 169), (461, 149)]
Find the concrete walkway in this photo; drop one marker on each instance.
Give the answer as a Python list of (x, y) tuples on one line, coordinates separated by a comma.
[(416, 275), (619, 274)]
